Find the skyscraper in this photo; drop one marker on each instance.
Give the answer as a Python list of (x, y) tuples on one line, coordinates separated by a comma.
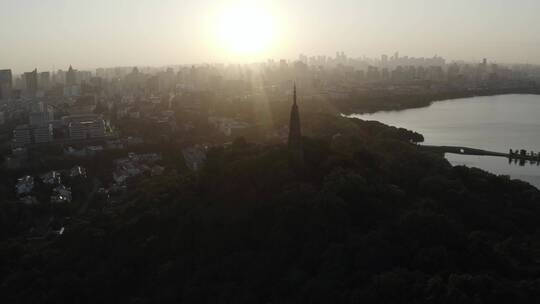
[(44, 80), (6, 84), (71, 77), (295, 132), (31, 80), (384, 60)]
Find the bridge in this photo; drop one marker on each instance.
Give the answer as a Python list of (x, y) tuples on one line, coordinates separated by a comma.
[(479, 152)]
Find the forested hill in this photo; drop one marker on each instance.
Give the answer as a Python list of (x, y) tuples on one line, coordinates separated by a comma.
[(367, 219)]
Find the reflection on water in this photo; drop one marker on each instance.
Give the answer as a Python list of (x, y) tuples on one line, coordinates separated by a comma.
[(523, 162), (494, 123), (518, 169)]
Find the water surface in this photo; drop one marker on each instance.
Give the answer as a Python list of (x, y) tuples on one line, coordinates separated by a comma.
[(494, 123)]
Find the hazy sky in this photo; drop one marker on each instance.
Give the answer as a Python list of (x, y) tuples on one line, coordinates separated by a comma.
[(89, 34)]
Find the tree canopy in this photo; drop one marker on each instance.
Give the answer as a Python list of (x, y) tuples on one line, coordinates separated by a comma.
[(368, 218)]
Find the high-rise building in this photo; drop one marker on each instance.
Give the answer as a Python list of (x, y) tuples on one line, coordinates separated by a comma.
[(22, 135), (372, 73), (59, 77), (40, 113), (44, 80), (43, 133), (83, 76), (303, 58), (71, 77), (295, 132), (25, 134), (384, 60), (31, 81), (6, 84)]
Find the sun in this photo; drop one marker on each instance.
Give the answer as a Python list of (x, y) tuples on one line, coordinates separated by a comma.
[(245, 29)]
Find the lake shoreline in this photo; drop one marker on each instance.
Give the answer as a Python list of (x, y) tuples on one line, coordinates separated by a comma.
[(469, 130), (404, 102)]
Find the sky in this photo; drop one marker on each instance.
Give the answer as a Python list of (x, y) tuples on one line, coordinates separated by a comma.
[(52, 34)]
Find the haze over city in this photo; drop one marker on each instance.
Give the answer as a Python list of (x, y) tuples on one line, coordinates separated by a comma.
[(55, 33), (308, 151)]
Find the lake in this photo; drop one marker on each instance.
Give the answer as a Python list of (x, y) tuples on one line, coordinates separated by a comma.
[(494, 123)]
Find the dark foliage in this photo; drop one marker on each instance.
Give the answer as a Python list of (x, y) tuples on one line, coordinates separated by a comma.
[(367, 219)]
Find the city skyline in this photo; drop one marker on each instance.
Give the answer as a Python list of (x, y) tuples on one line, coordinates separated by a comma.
[(53, 34), (389, 59)]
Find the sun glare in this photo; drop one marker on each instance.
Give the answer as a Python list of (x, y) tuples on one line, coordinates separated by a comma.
[(246, 30)]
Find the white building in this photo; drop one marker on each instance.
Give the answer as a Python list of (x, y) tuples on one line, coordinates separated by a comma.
[(85, 126), (77, 171), (24, 185), (51, 178), (61, 194), (228, 126)]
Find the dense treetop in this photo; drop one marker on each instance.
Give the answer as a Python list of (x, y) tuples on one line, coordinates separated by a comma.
[(367, 218)]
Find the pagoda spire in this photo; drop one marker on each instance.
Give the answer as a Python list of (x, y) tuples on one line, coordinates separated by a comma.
[(295, 131), (294, 96)]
